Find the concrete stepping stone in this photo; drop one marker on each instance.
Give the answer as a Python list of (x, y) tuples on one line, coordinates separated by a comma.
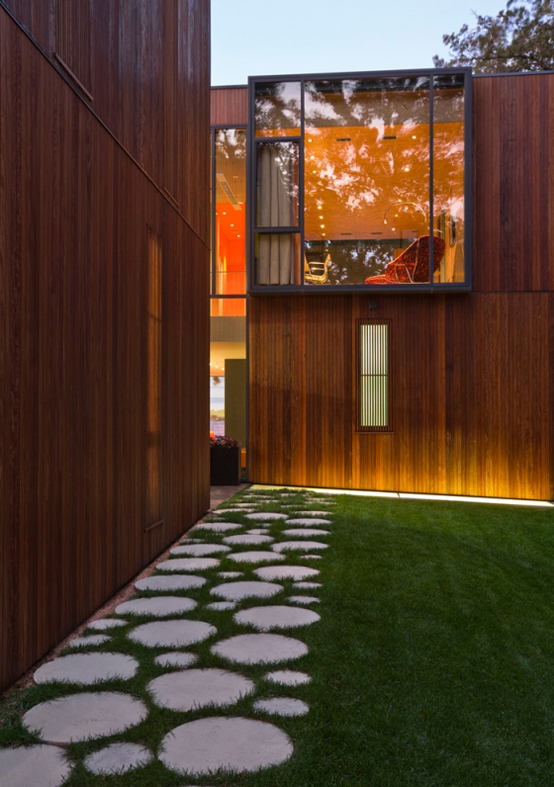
[(311, 557), (33, 766), (87, 715), (305, 531), (176, 582), (199, 550), (92, 639), (299, 513), (221, 606), (308, 522), (235, 505), (267, 517), (236, 591), (175, 659), (188, 540), (248, 538), (230, 574), (86, 668), (258, 531), (218, 527), (299, 546), (287, 677), (117, 758), (172, 633), (234, 744), (303, 600), (158, 607), (260, 648), (282, 706), (196, 688), (307, 585), (285, 572), (256, 557), (104, 624), (276, 617), (188, 564)]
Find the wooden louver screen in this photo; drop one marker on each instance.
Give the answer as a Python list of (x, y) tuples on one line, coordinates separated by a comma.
[(73, 45), (374, 385)]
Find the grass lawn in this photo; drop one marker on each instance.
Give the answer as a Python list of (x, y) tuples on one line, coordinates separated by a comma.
[(432, 666)]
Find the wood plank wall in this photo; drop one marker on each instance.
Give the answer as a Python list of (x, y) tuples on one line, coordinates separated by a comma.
[(229, 106), (78, 217), (473, 374)]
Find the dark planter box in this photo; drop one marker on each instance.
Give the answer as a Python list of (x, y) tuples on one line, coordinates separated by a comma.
[(224, 465)]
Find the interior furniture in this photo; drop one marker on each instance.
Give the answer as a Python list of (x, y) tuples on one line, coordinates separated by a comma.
[(316, 267), (412, 266)]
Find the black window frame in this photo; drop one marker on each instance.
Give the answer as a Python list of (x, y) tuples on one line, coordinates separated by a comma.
[(252, 143)]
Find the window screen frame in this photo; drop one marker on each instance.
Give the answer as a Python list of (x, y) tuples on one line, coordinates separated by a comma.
[(388, 428)]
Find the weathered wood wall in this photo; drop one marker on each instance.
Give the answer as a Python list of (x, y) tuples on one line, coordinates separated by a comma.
[(472, 374), (100, 468)]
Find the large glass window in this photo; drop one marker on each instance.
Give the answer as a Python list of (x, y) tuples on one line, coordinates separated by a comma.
[(229, 252), (376, 193)]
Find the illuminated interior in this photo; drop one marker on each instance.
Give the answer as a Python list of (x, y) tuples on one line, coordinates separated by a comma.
[(366, 186)]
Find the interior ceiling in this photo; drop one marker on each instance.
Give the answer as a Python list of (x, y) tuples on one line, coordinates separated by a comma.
[(355, 176)]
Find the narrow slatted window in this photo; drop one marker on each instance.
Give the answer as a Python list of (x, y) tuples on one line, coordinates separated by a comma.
[(374, 385)]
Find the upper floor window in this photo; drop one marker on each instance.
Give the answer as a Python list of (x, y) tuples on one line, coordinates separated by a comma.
[(360, 181)]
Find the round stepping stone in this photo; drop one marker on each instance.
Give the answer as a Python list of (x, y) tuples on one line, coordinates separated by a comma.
[(221, 606), (282, 706), (236, 591), (175, 659), (234, 744), (230, 574), (306, 531), (106, 623), (196, 688), (308, 522), (256, 557), (236, 505), (199, 550), (258, 531), (172, 633), (311, 557), (218, 527), (277, 617), (81, 716), (285, 572), (160, 582), (188, 564), (303, 600), (39, 766), (189, 540), (267, 516), (260, 648), (92, 639), (158, 607), (307, 585), (86, 668), (299, 546), (287, 677), (310, 513), (248, 538), (117, 758)]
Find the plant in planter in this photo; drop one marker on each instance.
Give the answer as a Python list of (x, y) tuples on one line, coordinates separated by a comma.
[(224, 460)]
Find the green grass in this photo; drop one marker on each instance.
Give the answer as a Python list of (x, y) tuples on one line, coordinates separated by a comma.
[(432, 666)]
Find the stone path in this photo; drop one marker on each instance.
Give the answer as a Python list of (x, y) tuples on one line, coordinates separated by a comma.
[(267, 609)]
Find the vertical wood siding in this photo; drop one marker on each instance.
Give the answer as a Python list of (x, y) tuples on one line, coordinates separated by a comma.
[(472, 375), (77, 214)]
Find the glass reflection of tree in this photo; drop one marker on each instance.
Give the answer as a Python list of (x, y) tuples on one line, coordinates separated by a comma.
[(277, 106), (230, 145)]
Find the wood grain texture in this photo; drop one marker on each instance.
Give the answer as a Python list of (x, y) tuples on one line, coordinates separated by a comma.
[(229, 106), (149, 65), (78, 217), (471, 408), (513, 183)]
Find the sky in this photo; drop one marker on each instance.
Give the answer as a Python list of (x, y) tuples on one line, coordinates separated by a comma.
[(273, 37)]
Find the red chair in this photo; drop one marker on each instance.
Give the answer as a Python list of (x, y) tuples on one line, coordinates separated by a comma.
[(412, 266)]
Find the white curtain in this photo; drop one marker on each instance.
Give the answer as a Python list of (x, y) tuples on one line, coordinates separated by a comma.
[(276, 202)]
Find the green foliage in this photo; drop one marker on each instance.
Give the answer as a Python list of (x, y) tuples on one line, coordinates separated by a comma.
[(519, 38)]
